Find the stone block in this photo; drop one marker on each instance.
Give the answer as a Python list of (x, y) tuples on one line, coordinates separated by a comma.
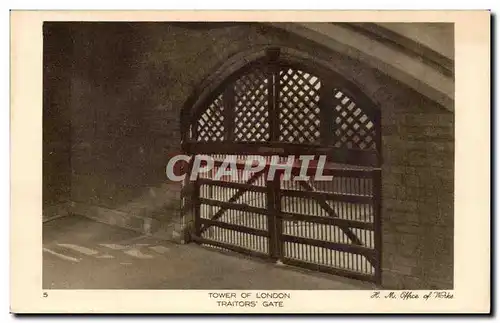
[(409, 242), (421, 119), (414, 229), (396, 205), (392, 280)]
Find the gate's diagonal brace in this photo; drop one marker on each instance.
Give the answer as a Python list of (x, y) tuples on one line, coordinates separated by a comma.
[(325, 206), (233, 198), (347, 231)]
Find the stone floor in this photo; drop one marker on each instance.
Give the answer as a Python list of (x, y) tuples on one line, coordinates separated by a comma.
[(83, 254)]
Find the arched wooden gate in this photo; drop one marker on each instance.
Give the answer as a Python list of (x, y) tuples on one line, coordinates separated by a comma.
[(280, 106)]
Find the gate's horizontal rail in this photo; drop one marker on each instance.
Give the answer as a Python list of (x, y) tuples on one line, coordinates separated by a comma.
[(369, 253), (235, 227), (233, 206), (243, 186), (351, 198), (335, 170), (330, 270), (341, 155), (230, 247), (327, 220)]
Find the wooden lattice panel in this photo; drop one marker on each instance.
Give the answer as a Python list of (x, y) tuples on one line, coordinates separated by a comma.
[(352, 128), (251, 107), (243, 110), (210, 125), (299, 113)]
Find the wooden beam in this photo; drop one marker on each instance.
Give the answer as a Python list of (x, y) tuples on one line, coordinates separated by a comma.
[(356, 249), (242, 186), (330, 270), (234, 198), (231, 247), (327, 220), (233, 206), (369, 158), (235, 227), (325, 206)]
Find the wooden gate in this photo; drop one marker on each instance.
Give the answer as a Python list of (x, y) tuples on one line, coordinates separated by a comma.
[(278, 106), (325, 226)]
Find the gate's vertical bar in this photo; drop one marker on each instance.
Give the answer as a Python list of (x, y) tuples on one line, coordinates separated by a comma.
[(273, 92), (377, 219), (271, 216), (196, 205), (187, 200), (276, 184)]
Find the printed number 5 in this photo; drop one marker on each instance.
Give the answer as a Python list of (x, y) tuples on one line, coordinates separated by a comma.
[(45, 294)]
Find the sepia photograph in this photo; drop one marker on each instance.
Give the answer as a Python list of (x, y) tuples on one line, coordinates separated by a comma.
[(269, 157), (122, 99)]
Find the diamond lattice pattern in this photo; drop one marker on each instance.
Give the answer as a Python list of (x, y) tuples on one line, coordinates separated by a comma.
[(299, 112), (251, 107), (210, 126), (352, 128)]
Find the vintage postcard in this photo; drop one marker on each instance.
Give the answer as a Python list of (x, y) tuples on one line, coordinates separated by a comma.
[(250, 162)]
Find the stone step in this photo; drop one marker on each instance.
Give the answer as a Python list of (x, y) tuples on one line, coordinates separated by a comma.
[(161, 223)]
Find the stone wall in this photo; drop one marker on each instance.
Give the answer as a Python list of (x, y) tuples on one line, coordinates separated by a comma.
[(418, 186), (129, 83), (56, 122)]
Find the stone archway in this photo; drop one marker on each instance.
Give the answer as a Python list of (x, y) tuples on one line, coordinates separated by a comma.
[(290, 105), (365, 85)]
